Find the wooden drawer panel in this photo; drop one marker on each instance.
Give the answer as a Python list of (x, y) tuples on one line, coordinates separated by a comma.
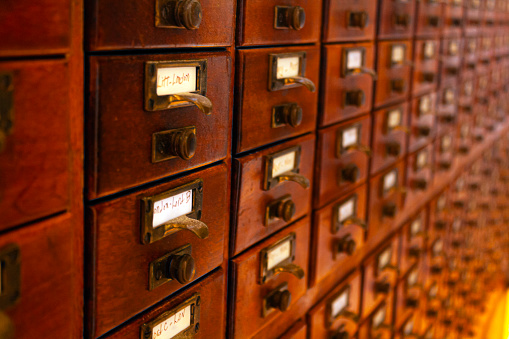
[(425, 73), (447, 109), (341, 169), (439, 218), (296, 331), (348, 82), (379, 324), (35, 160), (412, 241), (450, 67), (394, 72), (339, 309), (396, 19), (445, 144), (298, 21), (422, 121), (122, 260), (338, 234), (453, 15), (353, 20), (29, 28), (50, 291), (121, 130), (255, 201), (264, 115), (250, 294), (389, 136), (211, 305), (429, 18), (419, 174), (117, 24)]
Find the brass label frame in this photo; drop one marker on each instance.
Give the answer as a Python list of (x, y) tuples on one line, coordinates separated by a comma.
[(147, 328), (379, 268), (269, 181), (383, 190), (329, 316), (265, 273), (276, 84), (148, 233), (154, 102), (157, 267), (393, 63), (339, 138), (336, 225), (344, 61), (10, 258), (386, 127)]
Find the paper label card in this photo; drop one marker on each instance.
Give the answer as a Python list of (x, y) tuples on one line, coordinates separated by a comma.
[(394, 118), (425, 105), (339, 304), (172, 207), (384, 258), (429, 49), (288, 67), (279, 254), (346, 209), (389, 180), (349, 137), (173, 325), (398, 54), (173, 80), (354, 59), (283, 163)]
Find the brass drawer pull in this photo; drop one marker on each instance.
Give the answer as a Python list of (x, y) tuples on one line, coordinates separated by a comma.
[(300, 80), (186, 14), (293, 269), (199, 228), (295, 177), (202, 102)]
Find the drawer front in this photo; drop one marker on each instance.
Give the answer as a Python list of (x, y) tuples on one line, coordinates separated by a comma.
[(268, 113), (412, 241), (259, 210), (42, 257), (148, 24), (447, 108), (394, 72), (386, 200), (389, 136), (338, 233), (422, 121), (425, 73), (263, 302), (466, 95), (338, 311), (439, 218), (132, 131), (34, 144), (445, 144), (380, 276), (450, 67), (379, 324), (353, 20), (429, 18), (278, 22), (408, 297), (126, 257), (29, 28), (348, 82), (396, 19), (419, 174), (202, 305), (453, 14), (343, 159)]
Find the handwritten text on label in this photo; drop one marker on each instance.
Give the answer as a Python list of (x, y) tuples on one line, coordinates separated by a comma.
[(287, 67), (172, 207), (278, 254), (173, 325), (340, 303), (349, 137), (173, 80), (283, 164)]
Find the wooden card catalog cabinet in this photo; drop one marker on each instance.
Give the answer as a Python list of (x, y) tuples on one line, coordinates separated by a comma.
[(378, 325)]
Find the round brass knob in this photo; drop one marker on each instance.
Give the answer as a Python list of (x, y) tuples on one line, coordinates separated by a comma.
[(382, 287), (428, 77), (398, 85), (445, 164), (181, 268), (435, 269), (350, 173), (296, 18), (280, 300), (479, 137), (424, 130), (412, 302), (188, 14), (432, 313), (346, 245), (341, 334), (414, 252), (440, 225), (448, 118), (183, 144), (359, 19), (393, 148), (389, 210), (292, 115), (286, 210), (463, 149), (355, 98), (420, 183)]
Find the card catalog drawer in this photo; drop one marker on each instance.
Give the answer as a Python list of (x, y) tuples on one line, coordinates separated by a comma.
[(198, 312), (408, 297), (425, 73), (445, 145), (278, 22), (450, 67), (394, 70), (273, 189), (447, 109), (410, 327), (422, 121), (412, 241), (353, 20), (419, 174), (149, 128), (429, 18), (439, 217), (379, 324), (348, 82), (386, 200), (35, 28), (115, 24), (41, 281), (34, 144), (453, 15), (390, 127), (338, 234), (151, 243), (273, 103), (268, 279), (396, 19), (380, 276), (342, 159), (339, 312)]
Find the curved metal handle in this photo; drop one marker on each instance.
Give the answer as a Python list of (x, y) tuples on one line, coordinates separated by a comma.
[(202, 102), (361, 148), (300, 80), (392, 267), (199, 228), (371, 72), (397, 189), (295, 177), (355, 221), (401, 128), (351, 315), (296, 270)]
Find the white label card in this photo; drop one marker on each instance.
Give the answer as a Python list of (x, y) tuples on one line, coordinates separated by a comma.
[(422, 159), (278, 254), (453, 48), (390, 180), (416, 226), (384, 258), (173, 325), (433, 291), (472, 45), (446, 142), (349, 137), (287, 67), (340, 303), (172, 207), (393, 118), (425, 105), (346, 209), (398, 54), (173, 80), (412, 278), (456, 225), (379, 317), (354, 59), (429, 49), (409, 327), (465, 130), (468, 88), (449, 96), (437, 246), (442, 200), (283, 164)]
